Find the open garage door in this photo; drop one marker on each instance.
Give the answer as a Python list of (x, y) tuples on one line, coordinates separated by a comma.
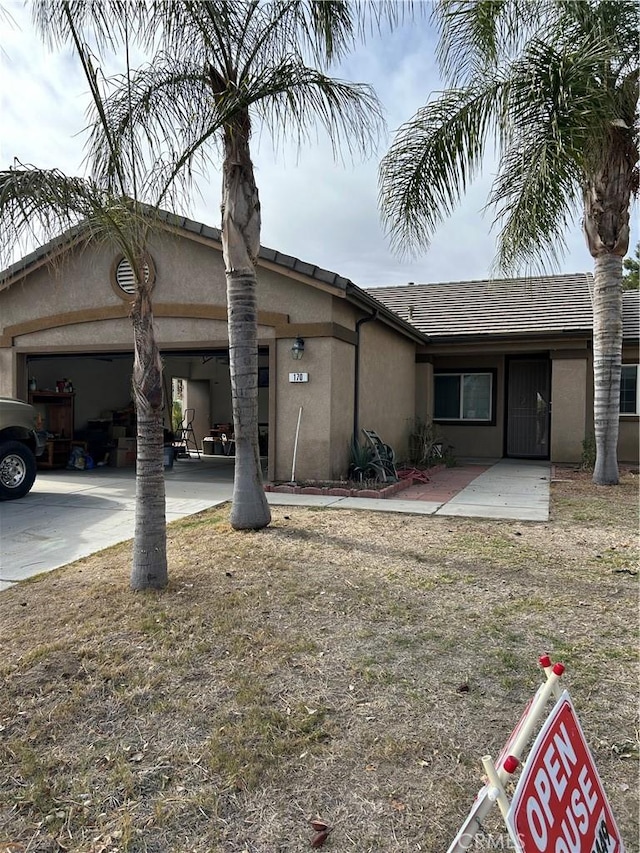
[(102, 407)]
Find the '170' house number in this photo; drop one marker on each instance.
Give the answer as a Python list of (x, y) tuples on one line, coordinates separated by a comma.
[(298, 377)]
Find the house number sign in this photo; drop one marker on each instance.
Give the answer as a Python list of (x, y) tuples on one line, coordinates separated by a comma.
[(298, 377)]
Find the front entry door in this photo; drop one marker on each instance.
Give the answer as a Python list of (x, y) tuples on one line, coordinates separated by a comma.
[(528, 408)]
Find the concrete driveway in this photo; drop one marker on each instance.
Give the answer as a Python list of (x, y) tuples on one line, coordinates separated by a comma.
[(70, 514)]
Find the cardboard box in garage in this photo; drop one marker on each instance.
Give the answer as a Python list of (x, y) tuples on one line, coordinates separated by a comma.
[(122, 458)]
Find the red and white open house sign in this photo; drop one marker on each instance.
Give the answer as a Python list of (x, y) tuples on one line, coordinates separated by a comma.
[(559, 805)]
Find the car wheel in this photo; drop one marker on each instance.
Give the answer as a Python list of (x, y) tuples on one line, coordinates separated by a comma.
[(17, 470)]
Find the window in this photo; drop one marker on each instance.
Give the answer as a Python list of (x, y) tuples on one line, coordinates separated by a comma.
[(463, 397), (629, 390)]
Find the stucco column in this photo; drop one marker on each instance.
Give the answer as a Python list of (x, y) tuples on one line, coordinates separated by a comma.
[(313, 395), (569, 408), (7, 373), (424, 390)]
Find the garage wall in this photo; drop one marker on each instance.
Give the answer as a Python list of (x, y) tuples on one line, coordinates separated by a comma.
[(387, 385), (100, 384), (77, 310), (197, 396)]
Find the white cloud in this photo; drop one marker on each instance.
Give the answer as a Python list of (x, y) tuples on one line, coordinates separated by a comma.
[(318, 210)]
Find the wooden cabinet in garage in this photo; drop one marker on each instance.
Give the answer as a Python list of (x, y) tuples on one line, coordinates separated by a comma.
[(56, 410)]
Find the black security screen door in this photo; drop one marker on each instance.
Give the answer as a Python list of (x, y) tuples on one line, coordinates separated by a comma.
[(528, 409)]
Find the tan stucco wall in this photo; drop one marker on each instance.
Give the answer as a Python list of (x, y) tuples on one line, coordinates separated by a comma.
[(629, 425), (7, 373), (314, 397), (387, 385), (82, 281), (342, 398), (569, 379), (424, 391), (326, 426)]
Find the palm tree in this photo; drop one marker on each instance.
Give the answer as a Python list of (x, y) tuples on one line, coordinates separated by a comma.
[(225, 66), (554, 87), (96, 212), (54, 201)]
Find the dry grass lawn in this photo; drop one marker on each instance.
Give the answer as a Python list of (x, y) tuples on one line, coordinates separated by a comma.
[(342, 665)]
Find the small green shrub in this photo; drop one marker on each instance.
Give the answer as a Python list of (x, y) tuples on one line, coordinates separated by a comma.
[(450, 460), (426, 445), (360, 457)]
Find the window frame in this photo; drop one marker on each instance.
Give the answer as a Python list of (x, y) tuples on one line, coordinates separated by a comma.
[(635, 413), (462, 372)]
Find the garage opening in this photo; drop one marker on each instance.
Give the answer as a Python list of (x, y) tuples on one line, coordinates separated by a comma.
[(85, 399)]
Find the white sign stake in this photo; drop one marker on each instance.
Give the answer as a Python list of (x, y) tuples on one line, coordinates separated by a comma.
[(510, 757)]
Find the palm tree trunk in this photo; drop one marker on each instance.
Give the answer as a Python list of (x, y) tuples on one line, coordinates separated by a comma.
[(240, 245), (607, 192), (607, 361), (149, 567)]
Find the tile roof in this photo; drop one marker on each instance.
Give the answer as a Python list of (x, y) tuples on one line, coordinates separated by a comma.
[(558, 304)]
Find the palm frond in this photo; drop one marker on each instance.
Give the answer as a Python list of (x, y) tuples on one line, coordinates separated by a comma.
[(567, 75), (537, 197), (41, 203), (172, 111), (107, 21), (153, 115), (292, 99), (33, 198), (432, 161), (477, 35)]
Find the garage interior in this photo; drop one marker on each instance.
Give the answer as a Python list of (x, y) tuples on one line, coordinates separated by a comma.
[(86, 398)]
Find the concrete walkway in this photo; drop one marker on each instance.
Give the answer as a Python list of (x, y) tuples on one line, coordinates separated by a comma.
[(70, 514)]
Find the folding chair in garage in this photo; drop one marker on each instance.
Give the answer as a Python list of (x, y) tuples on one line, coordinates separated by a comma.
[(185, 436)]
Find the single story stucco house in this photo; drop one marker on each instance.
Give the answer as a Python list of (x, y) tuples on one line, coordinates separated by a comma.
[(504, 367)]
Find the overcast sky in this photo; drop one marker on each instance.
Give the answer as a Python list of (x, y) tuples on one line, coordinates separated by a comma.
[(312, 207)]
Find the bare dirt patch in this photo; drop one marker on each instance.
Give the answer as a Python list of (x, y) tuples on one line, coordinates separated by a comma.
[(344, 665)]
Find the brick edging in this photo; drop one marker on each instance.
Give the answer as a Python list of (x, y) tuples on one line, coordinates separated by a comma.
[(386, 492)]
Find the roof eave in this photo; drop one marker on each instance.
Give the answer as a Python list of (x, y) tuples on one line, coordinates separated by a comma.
[(363, 300), (509, 336)]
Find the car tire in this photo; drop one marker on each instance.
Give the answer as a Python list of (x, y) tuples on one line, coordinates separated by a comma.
[(17, 470)]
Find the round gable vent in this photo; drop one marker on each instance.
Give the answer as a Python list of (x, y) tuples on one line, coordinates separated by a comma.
[(124, 279)]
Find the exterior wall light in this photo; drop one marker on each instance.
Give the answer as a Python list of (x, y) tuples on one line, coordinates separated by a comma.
[(297, 349)]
